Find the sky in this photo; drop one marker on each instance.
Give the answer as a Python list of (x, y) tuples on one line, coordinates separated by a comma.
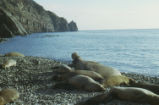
[(107, 14)]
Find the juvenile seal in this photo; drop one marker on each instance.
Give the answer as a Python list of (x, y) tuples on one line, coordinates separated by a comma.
[(14, 54), (9, 63), (8, 95), (132, 94), (65, 72), (82, 82)]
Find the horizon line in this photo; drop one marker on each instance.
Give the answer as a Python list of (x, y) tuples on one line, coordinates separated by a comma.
[(121, 29)]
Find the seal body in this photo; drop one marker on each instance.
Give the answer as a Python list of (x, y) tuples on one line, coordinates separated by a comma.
[(64, 72), (117, 81), (80, 82), (8, 95), (63, 68), (94, 75), (105, 71), (131, 94), (9, 63), (14, 54), (85, 83)]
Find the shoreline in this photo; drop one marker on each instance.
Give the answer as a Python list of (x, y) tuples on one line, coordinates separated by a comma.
[(3, 39), (32, 78)]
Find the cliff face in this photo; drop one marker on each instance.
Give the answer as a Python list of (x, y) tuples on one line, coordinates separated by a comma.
[(26, 16), (9, 26)]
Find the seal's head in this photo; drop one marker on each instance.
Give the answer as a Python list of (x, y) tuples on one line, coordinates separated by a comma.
[(75, 56)]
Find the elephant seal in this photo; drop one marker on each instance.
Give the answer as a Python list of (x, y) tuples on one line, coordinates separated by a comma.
[(132, 94), (112, 77), (65, 72), (82, 82), (14, 54), (9, 63), (105, 71), (8, 95)]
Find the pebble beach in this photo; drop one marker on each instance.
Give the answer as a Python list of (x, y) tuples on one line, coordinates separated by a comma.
[(32, 77)]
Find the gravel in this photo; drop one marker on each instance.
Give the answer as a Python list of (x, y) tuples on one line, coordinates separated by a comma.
[(32, 78)]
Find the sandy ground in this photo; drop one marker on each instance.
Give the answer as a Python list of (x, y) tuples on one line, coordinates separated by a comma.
[(32, 78)]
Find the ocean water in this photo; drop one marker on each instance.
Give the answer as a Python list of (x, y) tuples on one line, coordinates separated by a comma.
[(134, 51)]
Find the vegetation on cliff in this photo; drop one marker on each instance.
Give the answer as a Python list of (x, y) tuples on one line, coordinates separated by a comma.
[(22, 17)]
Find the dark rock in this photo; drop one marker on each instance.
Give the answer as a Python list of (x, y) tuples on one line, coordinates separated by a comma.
[(9, 26), (72, 26)]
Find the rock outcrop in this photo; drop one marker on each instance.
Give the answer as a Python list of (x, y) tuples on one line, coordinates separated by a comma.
[(60, 24), (72, 26), (9, 26), (20, 17)]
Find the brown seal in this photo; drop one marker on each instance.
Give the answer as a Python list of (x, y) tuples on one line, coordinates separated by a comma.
[(14, 54), (132, 94), (64, 72), (63, 68), (8, 95), (9, 63), (81, 82)]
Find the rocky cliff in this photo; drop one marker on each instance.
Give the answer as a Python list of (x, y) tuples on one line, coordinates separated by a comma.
[(20, 17), (72, 26)]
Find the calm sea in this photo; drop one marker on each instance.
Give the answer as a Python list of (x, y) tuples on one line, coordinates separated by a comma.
[(134, 51)]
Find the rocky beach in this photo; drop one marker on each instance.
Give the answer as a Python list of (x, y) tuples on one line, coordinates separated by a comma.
[(32, 77)]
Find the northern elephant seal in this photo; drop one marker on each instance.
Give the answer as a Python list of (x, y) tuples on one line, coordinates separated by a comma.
[(64, 72), (8, 95), (131, 94), (14, 54), (112, 77), (9, 63), (81, 82)]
